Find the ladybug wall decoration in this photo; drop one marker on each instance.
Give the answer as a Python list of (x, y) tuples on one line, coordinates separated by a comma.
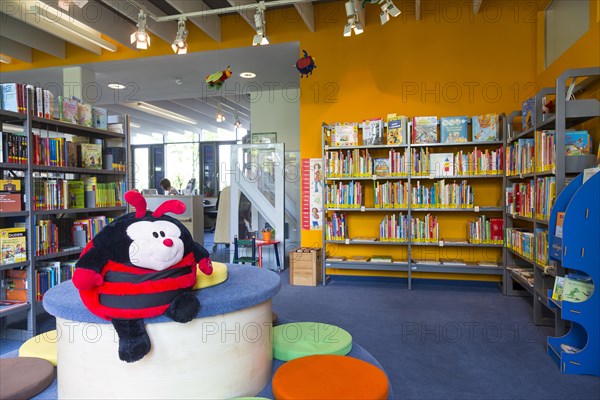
[(141, 265), (216, 80), (305, 64)]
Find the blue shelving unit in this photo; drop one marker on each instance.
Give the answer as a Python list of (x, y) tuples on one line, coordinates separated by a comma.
[(581, 253)]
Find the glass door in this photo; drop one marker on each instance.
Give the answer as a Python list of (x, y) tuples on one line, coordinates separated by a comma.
[(148, 167)]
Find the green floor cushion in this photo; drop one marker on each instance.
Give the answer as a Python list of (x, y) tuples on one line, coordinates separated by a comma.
[(24, 377), (300, 339)]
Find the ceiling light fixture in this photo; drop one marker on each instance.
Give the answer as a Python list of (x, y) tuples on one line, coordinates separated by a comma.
[(165, 113), (141, 37), (134, 125), (220, 115), (60, 23), (116, 86), (248, 75), (388, 9), (353, 20), (179, 45), (259, 21), (5, 59)]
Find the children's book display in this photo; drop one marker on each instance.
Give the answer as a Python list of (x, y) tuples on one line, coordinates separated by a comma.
[(454, 129)]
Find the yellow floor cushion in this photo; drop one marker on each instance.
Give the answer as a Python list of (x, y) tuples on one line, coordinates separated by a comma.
[(219, 275), (41, 346)]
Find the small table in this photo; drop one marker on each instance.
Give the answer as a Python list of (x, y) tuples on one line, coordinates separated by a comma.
[(260, 243)]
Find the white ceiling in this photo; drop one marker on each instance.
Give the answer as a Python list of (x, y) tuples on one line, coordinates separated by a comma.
[(153, 80)]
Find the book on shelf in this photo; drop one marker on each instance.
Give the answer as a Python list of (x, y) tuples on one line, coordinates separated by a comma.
[(453, 262), (10, 195), (426, 262), (557, 290), (73, 156), (14, 147), (365, 238), (381, 259), (335, 258), (556, 249), (76, 194), (344, 134), (84, 114), (9, 97), (14, 245), (441, 164), (360, 258), (70, 112), (577, 143), (91, 155), (424, 130), (528, 113), (381, 167), (577, 288), (485, 128), (453, 129), (396, 130), (488, 264), (372, 132), (99, 118)]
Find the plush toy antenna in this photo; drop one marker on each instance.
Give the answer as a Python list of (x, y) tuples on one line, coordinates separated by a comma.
[(136, 199), (173, 206)]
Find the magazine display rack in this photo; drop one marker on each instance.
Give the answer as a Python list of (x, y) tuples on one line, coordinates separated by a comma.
[(578, 352)]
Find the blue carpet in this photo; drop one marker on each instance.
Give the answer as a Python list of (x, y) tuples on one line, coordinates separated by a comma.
[(441, 340)]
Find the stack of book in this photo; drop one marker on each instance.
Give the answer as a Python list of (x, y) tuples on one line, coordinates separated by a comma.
[(394, 228), (479, 162), (337, 227), (442, 195), (521, 242), (344, 195), (391, 195), (426, 230), (14, 148), (486, 231)]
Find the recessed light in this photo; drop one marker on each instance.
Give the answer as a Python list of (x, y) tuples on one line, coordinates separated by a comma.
[(248, 75), (116, 86)]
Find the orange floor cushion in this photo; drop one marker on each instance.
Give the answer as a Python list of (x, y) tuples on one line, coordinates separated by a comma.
[(24, 377), (329, 377)]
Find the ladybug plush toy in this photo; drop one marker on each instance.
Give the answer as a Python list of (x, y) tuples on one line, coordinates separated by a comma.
[(305, 64), (141, 265)]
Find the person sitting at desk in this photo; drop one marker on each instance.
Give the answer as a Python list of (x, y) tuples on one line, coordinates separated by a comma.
[(166, 185)]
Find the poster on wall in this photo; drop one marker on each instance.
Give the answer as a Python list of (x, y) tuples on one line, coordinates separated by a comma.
[(312, 193)]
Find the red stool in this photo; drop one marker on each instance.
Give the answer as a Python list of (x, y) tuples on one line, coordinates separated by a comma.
[(329, 377)]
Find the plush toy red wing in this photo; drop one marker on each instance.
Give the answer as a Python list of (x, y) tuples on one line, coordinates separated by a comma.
[(141, 265)]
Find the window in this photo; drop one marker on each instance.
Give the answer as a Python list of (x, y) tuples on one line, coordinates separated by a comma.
[(565, 22)]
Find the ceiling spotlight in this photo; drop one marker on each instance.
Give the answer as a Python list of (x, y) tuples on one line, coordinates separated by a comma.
[(259, 21), (179, 45), (5, 59), (220, 115), (248, 75), (353, 20), (116, 86), (141, 37), (388, 10)]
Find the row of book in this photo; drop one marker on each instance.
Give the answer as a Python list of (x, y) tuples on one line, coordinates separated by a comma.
[(394, 228), (73, 110), (423, 163), (344, 195), (486, 230), (60, 194), (14, 148), (336, 227), (541, 246), (424, 130), (521, 242), (531, 198), (50, 273), (538, 154), (443, 195), (391, 195)]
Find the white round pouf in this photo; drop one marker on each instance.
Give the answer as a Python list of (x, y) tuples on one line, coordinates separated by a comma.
[(217, 357), (225, 352)]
